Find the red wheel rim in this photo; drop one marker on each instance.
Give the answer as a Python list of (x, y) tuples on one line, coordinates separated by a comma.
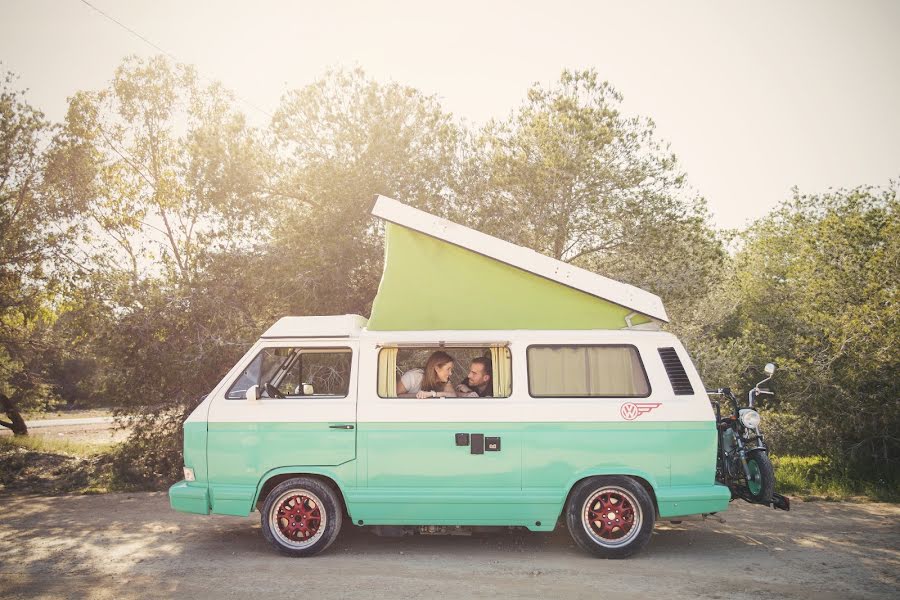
[(610, 515), (299, 518)]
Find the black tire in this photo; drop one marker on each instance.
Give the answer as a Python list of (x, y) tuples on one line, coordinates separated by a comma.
[(761, 489), (594, 535), (301, 516)]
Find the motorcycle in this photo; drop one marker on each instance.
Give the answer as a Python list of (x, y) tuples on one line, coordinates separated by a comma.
[(742, 461)]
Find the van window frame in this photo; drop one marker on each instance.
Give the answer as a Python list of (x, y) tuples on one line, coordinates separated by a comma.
[(445, 347), (632, 346), (306, 350)]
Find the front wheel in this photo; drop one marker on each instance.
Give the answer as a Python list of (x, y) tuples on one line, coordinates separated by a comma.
[(301, 516), (611, 516), (761, 483)]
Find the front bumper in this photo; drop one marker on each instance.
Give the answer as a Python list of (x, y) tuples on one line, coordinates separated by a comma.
[(190, 497)]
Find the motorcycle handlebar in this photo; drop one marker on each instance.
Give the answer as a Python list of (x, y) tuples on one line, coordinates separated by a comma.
[(727, 393)]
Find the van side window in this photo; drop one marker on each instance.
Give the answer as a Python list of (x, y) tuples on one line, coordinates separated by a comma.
[(608, 371), (296, 373), (401, 371)]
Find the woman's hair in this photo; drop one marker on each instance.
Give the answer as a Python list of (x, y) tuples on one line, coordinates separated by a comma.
[(430, 382)]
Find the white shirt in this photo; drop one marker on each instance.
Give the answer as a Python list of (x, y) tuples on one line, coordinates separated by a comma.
[(412, 380)]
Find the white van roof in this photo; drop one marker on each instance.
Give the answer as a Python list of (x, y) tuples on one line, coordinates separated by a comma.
[(346, 326)]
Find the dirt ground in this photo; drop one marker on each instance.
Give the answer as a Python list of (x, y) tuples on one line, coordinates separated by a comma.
[(121, 546)]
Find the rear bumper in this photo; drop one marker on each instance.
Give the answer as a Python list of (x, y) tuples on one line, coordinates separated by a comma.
[(691, 500), (185, 497)]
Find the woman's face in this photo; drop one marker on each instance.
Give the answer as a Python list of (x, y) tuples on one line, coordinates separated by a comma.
[(444, 372)]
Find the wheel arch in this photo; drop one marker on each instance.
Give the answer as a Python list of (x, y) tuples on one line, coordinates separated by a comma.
[(647, 481), (271, 479)]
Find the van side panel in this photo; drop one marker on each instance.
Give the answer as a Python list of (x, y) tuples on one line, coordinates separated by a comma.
[(240, 453), (693, 460), (426, 455), (417, 475), (553, 452)]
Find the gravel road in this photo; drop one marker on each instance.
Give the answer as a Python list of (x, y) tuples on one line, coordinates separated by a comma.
[(122, 546)]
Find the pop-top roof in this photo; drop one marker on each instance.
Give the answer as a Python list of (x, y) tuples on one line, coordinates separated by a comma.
[(461, 270)]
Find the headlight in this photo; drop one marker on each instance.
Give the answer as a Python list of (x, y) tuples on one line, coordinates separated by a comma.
[(189, 474), (750, 418)]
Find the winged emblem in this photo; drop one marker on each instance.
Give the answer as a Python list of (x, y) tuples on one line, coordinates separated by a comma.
[(632, 410)]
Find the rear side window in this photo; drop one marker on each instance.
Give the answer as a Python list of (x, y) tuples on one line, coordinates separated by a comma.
[(681, 385), (611, 371)]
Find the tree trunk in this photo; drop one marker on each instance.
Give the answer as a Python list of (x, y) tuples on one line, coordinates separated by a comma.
[(17, 422)]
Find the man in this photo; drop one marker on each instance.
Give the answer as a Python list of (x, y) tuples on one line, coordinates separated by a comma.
[(479, 382)]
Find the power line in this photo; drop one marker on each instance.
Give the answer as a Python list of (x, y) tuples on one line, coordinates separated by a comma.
[(167, 53)]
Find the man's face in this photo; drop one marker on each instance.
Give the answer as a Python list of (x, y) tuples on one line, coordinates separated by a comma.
[(477, 376)]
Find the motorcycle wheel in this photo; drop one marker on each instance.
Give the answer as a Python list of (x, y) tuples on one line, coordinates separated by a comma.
[(761, 484)]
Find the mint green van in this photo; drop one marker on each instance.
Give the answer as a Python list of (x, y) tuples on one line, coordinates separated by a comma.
[(590, 413)]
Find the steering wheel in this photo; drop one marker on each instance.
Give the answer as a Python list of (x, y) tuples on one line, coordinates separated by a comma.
[(272, 391)]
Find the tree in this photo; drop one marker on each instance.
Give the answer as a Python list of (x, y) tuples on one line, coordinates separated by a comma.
[(164, 169), (570, 176), (164, 176), (340, 141), (816, 288), (26, 244)]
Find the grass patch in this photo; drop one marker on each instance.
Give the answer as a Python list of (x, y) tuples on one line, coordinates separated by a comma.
[(51, 445), (816, 477), (49, 466)]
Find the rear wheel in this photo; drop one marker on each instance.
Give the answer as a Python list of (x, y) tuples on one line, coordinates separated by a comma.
[(761, 483), (610, 516), (301, 516)]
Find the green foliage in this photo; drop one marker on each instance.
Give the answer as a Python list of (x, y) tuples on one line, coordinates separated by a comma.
[(814, 289), (151, 456)]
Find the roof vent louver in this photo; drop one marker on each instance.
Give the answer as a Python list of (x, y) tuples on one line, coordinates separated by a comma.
[(681, 385)]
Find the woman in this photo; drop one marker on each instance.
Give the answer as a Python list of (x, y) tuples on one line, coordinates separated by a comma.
[(431, 382)]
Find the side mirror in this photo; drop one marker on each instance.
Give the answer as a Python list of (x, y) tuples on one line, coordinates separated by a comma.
[(770, 369), (253, 393), (308, 389)]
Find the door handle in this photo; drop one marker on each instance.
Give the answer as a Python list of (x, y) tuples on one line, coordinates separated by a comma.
[(340, 426)]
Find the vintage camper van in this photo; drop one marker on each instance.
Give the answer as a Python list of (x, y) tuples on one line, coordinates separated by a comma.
[(578, 407)]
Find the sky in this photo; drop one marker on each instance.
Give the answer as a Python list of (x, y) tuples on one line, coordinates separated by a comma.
[(753, 97)]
